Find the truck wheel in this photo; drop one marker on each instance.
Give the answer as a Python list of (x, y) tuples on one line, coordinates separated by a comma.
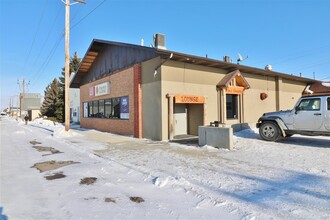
[(269, 131)]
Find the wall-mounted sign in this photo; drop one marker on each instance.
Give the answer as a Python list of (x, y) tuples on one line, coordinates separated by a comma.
[(124, 108), (189, 99), (91, 91), (102, 89), (238, 90), (99, 89)]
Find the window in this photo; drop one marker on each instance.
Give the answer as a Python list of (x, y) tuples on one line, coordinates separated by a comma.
[(328, 101), (95, 108), (101, 109), (90, 109), (108, 107), (232, 106), (310, 104), (115, 108)]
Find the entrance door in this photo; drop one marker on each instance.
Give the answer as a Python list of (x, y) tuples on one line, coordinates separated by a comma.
[(180, 119)]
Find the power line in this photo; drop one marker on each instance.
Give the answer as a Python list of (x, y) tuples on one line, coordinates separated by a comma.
[(297, 55), (34, 37), (83, 18), (52, 52), (49, 57), (48, 35)]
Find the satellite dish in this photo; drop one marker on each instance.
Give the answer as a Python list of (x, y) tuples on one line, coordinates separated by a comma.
[(240, 58)]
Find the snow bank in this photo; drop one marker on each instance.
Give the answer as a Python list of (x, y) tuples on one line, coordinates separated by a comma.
[(45, 122), (60, 132), (58, 129), (248, 133)]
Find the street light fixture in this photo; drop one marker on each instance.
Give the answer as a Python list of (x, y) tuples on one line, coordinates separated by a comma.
[(67, 61)]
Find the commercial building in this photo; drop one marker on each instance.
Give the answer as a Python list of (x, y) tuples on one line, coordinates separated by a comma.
[(75, 105), (31, 106), (151, 92)]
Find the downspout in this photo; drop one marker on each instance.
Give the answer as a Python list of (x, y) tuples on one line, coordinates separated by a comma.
[(156, 69)]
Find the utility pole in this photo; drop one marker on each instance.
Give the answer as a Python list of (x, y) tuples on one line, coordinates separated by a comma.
[(10, 106), (23, 94), (67, 62), (17, 107), (22, 97)]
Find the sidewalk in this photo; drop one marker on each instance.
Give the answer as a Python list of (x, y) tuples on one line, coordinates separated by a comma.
[(105, 137)]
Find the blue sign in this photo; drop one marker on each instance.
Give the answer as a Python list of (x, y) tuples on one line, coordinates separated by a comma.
[(124, 108)]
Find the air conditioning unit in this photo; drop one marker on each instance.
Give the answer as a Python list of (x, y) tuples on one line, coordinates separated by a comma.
[(159, 40)]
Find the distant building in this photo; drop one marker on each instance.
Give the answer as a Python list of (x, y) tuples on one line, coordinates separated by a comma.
[(75, 105), (31, 104), (151, 92)]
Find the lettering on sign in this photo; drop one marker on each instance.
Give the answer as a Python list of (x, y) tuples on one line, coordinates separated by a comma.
[(189, 99), (102, 89)]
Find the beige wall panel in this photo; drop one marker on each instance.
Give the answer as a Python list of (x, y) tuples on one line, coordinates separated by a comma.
[(189, 73), (190, 79), (254, 107), (289, 99), (291, 92), (293, 86), (151, 101)]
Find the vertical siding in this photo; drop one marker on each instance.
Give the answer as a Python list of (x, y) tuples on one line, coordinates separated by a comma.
[(113, 58)]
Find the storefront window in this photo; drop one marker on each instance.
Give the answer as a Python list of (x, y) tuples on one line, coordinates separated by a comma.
[(107, 105), (116, 108), (95, 109), (232, 106), (101, 109), (90, 107)]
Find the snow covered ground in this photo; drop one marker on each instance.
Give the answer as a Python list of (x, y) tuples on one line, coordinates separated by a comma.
[(144, 179)]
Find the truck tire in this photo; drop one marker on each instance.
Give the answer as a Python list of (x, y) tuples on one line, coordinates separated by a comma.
[(269, 131)]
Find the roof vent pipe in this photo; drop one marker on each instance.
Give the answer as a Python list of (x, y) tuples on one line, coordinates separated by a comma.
[(226, 59)]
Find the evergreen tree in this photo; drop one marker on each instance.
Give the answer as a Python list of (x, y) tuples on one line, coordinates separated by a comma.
[(60, 109), (52, 91)]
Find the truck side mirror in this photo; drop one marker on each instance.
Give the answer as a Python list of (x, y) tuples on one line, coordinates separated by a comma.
[(296, 109)]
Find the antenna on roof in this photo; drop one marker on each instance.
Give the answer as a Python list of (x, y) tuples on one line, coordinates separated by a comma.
[(240, 58)]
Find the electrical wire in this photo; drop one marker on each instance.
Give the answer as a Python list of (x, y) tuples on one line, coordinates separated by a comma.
[(83, 18), (51, 54), (48, 35), (34, 37)]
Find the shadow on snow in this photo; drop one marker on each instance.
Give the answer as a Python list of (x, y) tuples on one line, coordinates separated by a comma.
[(296, 188)]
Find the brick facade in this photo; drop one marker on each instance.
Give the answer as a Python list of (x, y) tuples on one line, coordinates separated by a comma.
[(121, 84)]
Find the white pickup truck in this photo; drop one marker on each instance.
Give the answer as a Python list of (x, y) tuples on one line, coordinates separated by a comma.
[(310, 116)]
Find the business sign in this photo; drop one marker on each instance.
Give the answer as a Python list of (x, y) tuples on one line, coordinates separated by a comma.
[(189, 99), (102, 89), (91, 91), (124, 108), (99, 89)]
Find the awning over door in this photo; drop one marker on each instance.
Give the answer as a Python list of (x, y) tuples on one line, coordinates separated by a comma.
[(234, 83)]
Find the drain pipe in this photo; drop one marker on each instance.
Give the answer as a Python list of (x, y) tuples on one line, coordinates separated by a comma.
[(156, 69)]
